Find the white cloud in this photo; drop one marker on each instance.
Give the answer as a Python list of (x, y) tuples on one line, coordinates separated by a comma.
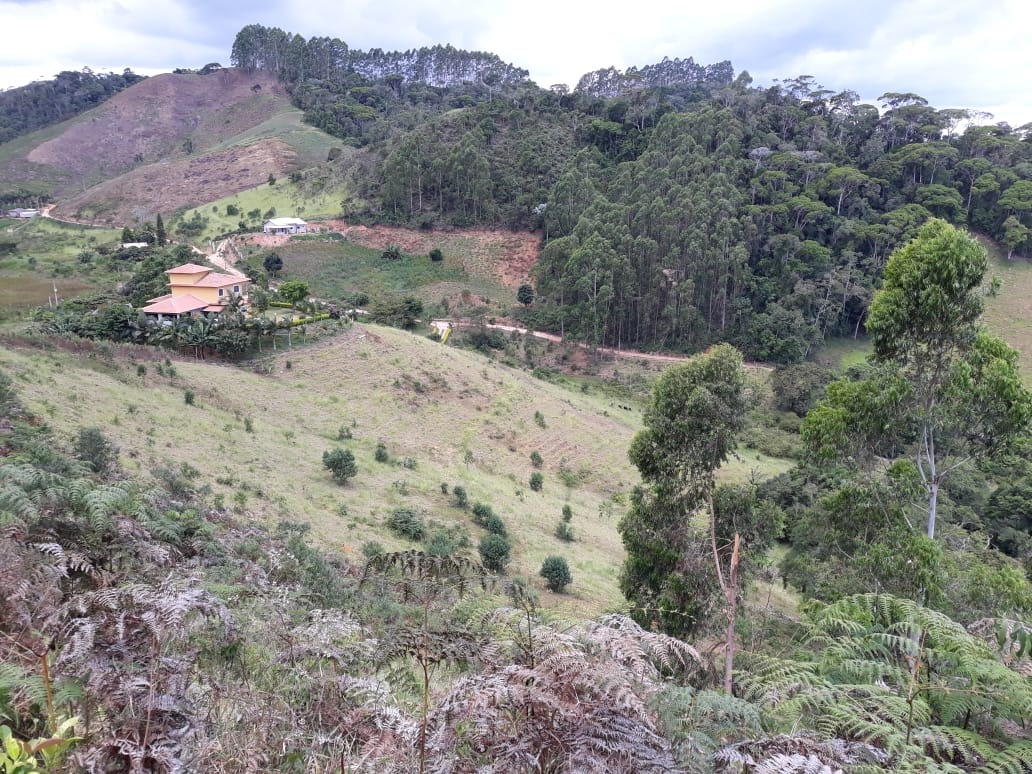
[(953, 52)]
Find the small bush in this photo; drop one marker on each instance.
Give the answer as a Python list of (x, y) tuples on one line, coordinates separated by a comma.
[(494, 552), (392, 253), (481, 513), (537, 481), (556, 573), (539, 419), (436, 255), (461, 498), (567, 513), (446, 541), (248, 425), (341, 463), (344, 433), (381, 454), (495, 525), (93, 448), (188, 397), (536, 460), (564, 532), (406, 523), (371, 549), (141, 370), (444, 487)]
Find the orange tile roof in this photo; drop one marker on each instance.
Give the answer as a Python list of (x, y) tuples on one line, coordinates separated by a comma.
[(181, 304), (188, 268), (217, 280)]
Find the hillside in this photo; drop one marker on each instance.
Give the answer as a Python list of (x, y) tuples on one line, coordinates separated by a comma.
[(425, 402), (168, 142)]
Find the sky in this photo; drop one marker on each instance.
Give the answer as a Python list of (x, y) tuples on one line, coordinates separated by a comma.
[(955, 53)]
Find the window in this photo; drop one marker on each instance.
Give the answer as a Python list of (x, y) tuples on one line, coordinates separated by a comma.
[(221, 291), (236, 288)]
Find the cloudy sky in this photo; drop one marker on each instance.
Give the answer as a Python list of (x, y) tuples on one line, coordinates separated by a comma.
[(955, 53)]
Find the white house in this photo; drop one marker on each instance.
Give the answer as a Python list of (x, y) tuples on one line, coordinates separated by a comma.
[(20, 213), (285, 226)]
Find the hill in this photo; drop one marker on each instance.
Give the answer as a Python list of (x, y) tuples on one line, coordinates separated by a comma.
[(168, 142), (459, 417)]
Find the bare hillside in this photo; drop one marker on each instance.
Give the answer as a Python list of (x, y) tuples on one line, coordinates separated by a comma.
[(153, 119), (167, 143)]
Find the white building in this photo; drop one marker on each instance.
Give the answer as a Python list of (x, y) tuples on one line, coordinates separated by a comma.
[(20, 213), (285, 226)]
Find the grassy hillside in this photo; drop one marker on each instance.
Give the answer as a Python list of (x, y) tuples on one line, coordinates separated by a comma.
[(460, 417), (169, 142)]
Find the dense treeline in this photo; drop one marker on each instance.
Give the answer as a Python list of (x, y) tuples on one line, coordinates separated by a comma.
[(680, 205), (39, 104)]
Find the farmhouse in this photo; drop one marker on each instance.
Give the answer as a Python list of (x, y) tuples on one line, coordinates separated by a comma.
[(196, 290), (20, 213), (285, 226)]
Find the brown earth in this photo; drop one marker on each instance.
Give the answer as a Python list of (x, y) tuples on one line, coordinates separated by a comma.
[(154, 118), (188, 182)]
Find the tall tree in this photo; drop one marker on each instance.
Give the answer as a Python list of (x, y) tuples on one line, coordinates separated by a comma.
[(958, 390), (691, 424)]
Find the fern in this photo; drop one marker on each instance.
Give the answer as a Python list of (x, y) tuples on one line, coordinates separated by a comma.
[(1016, 759)]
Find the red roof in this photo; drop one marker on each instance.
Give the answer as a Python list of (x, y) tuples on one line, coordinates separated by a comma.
[(217, 280), (170, 304), (188, 268)]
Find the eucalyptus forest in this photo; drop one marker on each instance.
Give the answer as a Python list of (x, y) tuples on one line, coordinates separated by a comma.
[(146, 625)]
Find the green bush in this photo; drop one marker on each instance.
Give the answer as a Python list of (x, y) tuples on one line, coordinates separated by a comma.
[(495, 525), (494, 552), (539, 419), (381, 454), (461, 498), (341, 463), (446, 541), (93, 448), (537, 481), (436, 255), (407, 523), (481, 513), (536, 460), (188, 397), (567, 513), (556, 573), (564, 532)]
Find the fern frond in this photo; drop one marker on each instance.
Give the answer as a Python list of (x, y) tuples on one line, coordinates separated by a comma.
[(1016, 759)]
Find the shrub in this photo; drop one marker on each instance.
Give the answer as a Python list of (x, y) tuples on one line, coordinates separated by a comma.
[(556, 573), (188, 397), (341, 463), (381, 454), (344, 433), (406, 523), (564, 532), (494, 552), (392, 253), (446, 541), (567, 513), (93, 448), (536, 460), (248, 425), (141, 370), (436, 255), (481, 513), (537, 481), (461, 498), (539, 419), (371, 549), (495, 525)]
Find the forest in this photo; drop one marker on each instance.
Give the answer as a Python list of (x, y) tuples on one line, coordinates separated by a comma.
[(42, 103), (679, 205)]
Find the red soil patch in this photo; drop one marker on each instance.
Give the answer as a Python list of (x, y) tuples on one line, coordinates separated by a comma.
[(152, 119), (188, 182)]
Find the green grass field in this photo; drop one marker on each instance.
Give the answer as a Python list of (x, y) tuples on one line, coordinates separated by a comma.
[(47, 253), (462, 418), (285, 198), (335, 269)]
